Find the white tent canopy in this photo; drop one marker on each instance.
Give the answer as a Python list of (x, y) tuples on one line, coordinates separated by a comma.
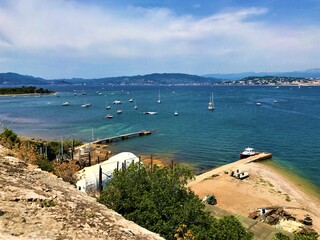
[(88, 177)]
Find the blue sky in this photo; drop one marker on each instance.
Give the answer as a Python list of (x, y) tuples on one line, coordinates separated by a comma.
[(100, 38)]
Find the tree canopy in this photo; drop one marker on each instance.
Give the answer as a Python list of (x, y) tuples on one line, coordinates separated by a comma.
[(158, 200), (24, 90)]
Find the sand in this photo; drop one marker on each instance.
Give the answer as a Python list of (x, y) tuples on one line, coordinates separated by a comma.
[(264, 187)]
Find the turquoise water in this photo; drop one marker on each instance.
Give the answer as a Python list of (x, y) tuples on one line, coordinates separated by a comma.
[(289, 129)]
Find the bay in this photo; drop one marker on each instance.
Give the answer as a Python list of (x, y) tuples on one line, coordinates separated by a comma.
[(289, 127)]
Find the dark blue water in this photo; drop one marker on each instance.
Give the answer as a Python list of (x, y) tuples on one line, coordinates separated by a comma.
[(289, 129)]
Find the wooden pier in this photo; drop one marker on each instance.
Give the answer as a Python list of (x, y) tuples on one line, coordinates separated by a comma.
[(122, 137)]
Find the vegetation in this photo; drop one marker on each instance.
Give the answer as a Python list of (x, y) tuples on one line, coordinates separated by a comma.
[(42, 153), (24, 90), (280, 236), (296, 236), (9, 139), (158, 200)]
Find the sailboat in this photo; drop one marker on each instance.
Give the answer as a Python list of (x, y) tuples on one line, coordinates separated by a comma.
[(119, 111), (107, 106), (211, 103), (135, 105), (159, 100)]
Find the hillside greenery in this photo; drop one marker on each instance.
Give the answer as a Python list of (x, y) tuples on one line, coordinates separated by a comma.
[(158, 200), (296, 236), (24, 90), (41, 153)]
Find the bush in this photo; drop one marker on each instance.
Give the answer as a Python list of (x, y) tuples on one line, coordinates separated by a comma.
[(159, 201), (9, 139)]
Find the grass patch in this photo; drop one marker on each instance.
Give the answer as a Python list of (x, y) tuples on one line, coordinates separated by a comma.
[(288, 199), (48, 203)]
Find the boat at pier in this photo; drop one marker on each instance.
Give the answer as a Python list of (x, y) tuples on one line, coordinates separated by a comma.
[(248, 152)]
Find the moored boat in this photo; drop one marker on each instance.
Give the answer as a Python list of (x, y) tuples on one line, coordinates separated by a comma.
[(150, 113), (248, 152), (65, 104), (109, 116)]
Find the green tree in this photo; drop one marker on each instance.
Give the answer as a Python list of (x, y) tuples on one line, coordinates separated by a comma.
[(9, 139), (280, 236), (310, 236), (158, 200)]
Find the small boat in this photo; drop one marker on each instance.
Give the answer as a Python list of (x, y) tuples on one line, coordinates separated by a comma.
[(150, 113), (65, 104), (131, 100), (119, 111), (211, 103), (248, 152), (258, 103), (135, 105), (116, 102), (176, 113), (86, 105), (109, 116), (159, 100), (107, 106), (275, 101)]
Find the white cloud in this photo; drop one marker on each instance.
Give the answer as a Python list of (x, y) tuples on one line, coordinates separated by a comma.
[(78, 34)]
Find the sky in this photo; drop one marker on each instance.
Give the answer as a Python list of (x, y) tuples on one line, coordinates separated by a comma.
[(56, 39)]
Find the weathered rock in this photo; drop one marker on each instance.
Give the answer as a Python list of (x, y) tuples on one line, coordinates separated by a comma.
[(37, 205)]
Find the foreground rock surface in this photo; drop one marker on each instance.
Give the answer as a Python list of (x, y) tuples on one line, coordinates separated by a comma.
[(37, 205)]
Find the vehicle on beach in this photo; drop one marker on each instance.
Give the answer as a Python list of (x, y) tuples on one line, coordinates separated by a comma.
[(248, 152), (210, 199)]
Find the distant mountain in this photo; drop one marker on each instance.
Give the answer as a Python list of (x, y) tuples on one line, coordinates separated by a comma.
[(152, 79), (309, 73), (17, 79), (149, 79)]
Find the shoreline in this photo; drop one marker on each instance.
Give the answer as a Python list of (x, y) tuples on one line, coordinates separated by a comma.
[(266, 186)]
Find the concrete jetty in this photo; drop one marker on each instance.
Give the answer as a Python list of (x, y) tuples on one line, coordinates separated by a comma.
[(255, 158)]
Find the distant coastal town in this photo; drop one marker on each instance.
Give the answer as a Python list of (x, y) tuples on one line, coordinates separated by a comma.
[(274, 81)]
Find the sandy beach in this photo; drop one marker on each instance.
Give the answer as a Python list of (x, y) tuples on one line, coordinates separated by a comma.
[(265, 187)]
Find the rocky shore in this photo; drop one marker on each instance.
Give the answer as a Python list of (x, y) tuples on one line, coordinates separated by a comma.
[(37, 205)]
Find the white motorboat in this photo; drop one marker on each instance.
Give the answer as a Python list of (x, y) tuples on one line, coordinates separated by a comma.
[(150, 113), (248, 152)]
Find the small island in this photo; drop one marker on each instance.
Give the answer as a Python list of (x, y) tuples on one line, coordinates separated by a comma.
[(24, 90)]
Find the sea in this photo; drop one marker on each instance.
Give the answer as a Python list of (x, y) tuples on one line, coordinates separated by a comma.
[(287, 123)]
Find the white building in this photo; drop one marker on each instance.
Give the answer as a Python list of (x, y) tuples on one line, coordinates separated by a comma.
[(88, 177)]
